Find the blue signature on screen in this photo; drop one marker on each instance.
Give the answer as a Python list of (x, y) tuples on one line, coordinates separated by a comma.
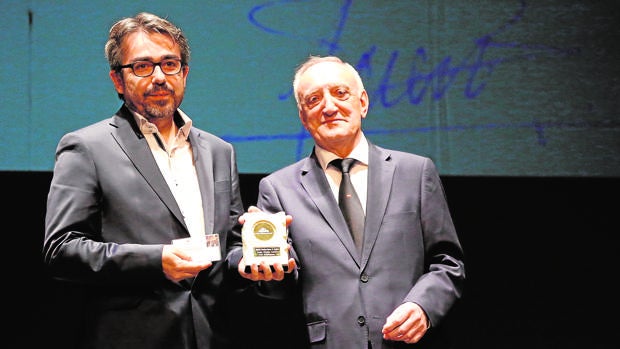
[(487, 52)]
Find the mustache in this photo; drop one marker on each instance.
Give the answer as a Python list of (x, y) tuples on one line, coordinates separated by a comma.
[(159, 88)]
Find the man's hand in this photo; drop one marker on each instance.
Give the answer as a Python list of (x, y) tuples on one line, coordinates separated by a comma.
[(407, 323), (178, 265), (262, 272)]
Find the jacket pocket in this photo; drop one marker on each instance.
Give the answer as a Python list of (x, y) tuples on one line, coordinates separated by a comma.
[(317, 331)]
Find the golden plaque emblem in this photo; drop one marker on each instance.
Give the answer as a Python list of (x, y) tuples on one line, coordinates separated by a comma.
[(264, 230)]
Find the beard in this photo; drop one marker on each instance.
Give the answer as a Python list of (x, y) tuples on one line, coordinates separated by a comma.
[(159, 110), (163, 108), (154, 108)]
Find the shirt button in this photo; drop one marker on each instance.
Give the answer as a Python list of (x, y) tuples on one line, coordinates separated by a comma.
[(361, 320)]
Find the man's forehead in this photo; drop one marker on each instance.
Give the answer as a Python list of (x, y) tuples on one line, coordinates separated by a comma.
[(141, 43), (326, 74), (324, 69)]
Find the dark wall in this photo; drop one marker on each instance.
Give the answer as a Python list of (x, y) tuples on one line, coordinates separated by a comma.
[(540, 256)]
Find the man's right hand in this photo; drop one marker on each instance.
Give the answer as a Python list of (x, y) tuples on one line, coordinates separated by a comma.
[(178, 264)]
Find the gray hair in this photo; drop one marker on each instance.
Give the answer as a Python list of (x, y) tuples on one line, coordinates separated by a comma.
[(314, 60)]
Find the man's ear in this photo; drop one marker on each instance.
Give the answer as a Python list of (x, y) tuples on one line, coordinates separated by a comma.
[(364, 103), (117, 80), (302, 117)]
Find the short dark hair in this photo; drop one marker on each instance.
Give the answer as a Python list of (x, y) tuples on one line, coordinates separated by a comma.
[(146, 22)]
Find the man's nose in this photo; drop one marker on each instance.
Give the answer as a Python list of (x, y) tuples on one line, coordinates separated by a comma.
[(330, 106), (158, 74)]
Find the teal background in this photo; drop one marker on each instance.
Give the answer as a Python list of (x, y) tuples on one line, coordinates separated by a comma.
[(485, 88)]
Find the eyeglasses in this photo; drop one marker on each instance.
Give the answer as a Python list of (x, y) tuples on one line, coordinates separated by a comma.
[(143, 69)]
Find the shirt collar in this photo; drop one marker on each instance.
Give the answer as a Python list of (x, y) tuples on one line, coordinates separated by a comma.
[(147, 127), (359, 153)]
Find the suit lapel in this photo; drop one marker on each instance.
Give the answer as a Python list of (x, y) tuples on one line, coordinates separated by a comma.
[(380, 177), (132, 142), (204, 170), (314, 182)]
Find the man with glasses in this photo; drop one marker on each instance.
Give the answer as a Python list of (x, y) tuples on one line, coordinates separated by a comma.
[(124, 188)]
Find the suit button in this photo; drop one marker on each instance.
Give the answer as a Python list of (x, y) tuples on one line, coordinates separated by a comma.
[(364, 278), (361, 320)]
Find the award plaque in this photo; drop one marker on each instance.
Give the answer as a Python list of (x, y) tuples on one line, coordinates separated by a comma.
[(264, 237)]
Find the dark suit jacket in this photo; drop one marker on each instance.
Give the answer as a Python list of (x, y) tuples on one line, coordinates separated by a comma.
[(411, 251), (110, 211)]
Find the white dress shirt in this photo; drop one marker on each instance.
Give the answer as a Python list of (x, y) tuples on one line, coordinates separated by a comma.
[(176, 163), (359, 172)]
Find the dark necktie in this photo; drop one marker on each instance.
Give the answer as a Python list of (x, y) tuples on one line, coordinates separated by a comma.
[(349, 202)]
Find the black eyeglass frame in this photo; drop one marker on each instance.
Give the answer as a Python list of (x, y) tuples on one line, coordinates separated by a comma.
[(131, 65)]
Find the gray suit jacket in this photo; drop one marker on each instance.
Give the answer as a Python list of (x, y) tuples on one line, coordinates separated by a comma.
[(109, 213), (411, 250)]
